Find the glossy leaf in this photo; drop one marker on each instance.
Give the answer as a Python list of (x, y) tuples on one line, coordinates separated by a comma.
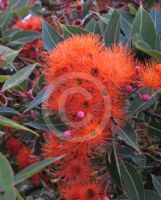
[(6, 176), (9, 123), (8, 54), (90, 26), (128, 153), (105, 19), (114, 168), (153, 53), (112, 30), (13, 3), (132, 182), (5, 19), (69, 31), (157, 183), (40, 98), (8, 110), (49, 36), (143, 24), (18, 195), (156, 17), (128, 135), (33, 169), (19, 77), (126, 20), (21, 38)]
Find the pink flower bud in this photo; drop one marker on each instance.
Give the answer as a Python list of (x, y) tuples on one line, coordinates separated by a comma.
[(145, 97), (129, 89), (80, 114), (68, 133)]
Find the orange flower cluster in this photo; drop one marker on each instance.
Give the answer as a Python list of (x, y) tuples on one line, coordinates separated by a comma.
[(87, 82), (31, 49), (151, 76)]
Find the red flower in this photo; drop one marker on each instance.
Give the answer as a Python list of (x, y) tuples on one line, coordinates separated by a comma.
[(32, 49), (75, 170), (151, 76), (13, 145), (30, 24), (92, 139), (23, 157), (88, 191), (121, 63), (53, 147)]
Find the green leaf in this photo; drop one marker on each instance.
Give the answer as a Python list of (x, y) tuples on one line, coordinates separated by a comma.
[(8, 110), (9, 123), (144, 25), (8, 54), (33, 169), (151, 195), (69, 31), (128, 135), (153, 53), (10, 33), (23, 11), (106, 18), (97, 29), (114, 168), (13, 3), (90, 26), (21, 38), (49, 36), (5, 19), (19, 77), (132, 182), (126, 20), (128, 153), (157, 183), (41, 97), (6, 176), (132, 9), (18, 195), (3, 78), (112, 30), (156, 17)]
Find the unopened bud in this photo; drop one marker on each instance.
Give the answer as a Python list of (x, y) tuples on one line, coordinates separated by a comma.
[(68, 133), (145, 97), (129, 89), (80, 114)]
